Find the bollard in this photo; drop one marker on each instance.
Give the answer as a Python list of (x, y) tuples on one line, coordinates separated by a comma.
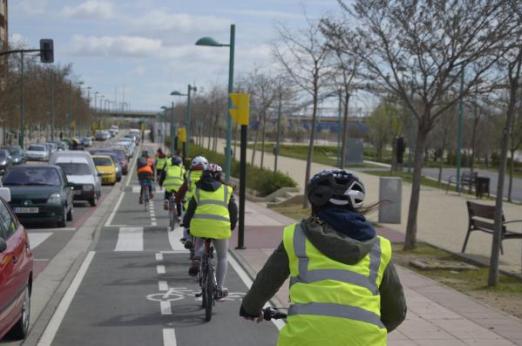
[(390, 196)]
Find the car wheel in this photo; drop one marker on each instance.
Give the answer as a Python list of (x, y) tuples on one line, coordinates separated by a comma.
[(62, 222), (21, 328), (70, 215), (94, 200)]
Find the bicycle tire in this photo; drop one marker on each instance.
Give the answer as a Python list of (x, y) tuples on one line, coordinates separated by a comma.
[(202, 281), (209, 293), (173, 217)]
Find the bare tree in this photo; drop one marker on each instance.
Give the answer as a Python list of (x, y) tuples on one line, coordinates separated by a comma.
[(417, 50), (304, 56)]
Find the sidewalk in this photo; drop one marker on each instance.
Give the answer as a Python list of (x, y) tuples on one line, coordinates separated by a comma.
[(442, 218), (437, 315)]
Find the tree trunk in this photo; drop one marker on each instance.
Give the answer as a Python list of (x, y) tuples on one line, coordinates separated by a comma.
[(263, 136), (411, 227), (442, 150), (252, 161), (514, 75), (310, 145), (345, 128), (511, 168)]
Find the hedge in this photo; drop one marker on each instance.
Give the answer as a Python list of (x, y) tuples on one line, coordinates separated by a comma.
[(262, 180)]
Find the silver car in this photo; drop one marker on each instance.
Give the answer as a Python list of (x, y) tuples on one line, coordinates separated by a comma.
[(37, 152)]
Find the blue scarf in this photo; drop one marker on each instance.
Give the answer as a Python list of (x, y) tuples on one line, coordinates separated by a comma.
[(347, 222)]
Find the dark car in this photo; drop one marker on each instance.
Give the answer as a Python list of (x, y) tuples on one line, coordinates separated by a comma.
[(17, 154), (16, 273), (40, 193), (5, 161)]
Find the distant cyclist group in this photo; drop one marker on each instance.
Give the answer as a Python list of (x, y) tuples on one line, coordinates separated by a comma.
[(344, 289)]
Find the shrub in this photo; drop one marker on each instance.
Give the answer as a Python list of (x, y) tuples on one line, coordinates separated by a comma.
[(262, 180)]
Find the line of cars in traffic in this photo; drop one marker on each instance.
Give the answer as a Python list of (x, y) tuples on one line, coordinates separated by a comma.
[(44, 192)]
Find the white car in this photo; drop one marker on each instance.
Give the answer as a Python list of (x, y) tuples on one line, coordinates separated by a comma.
[(37, 152), (129, 144), (81, 173)]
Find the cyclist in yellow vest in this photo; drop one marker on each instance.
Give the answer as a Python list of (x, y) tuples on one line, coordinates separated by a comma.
[(174, 178), (160, 165), (212, 213), (344, 289), (185, 192)]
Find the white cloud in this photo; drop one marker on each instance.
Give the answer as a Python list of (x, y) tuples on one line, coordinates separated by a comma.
[(17, 40), (264, 14), (130, 46), (157, 20), (91, 9)]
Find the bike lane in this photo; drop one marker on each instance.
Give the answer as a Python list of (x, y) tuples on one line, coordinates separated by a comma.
[(136, 290)]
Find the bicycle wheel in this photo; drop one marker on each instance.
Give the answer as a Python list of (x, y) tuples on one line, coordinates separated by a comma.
[(173, 217), (146, 196), (209, 294), (202, 281)]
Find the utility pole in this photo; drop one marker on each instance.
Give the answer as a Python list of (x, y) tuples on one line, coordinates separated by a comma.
[(278, 135)]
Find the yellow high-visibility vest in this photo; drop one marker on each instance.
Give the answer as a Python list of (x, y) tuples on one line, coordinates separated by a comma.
[(174, 178), (192, 178), (211, 218), (161, 163), (333, 303)]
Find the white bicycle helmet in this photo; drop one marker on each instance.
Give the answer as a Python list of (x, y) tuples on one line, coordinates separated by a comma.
[(199, 162), (337, 187)]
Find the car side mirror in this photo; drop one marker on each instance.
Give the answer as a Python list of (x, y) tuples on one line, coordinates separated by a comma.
[(3, 245)]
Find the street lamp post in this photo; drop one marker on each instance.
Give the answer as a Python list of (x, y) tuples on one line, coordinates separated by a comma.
[(210, 42), (460, 125), (186, 144)]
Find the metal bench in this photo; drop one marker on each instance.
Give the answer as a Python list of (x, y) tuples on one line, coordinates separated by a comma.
[(482, 218), (466, 178)]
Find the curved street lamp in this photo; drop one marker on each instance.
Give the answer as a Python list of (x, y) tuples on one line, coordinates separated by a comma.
[(186, 144), (210, 42)]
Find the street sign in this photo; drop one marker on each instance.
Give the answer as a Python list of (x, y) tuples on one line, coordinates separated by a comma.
[(182, 134), (240, 110)]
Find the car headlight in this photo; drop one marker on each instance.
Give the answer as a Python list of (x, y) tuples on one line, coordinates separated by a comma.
[(3, 163), (88, 187), (55, 198)]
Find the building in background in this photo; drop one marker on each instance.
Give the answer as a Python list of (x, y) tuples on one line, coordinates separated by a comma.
[(3, 24)]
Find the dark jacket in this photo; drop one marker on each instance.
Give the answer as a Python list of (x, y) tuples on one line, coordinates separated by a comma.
[(208, 183), (338, 246)]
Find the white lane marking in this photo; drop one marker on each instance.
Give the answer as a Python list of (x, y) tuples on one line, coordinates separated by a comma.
[(169, 337), (159, 257), (50, 332), (160, 269), (248, 282), (154, 224), (174, 237), (64, 229), (165, 308), (36, 239), (130, 239), (163, 286), (113, 213)]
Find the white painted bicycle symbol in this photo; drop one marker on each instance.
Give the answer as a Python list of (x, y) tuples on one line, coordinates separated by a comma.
[(180, 293)]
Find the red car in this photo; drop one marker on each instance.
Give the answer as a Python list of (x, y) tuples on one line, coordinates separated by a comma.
[(16, 272)]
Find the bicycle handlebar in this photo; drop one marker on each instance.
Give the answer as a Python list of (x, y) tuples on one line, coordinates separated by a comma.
[(270, 313)]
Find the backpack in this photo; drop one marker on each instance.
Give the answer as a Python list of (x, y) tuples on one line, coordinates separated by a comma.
[(142, 162)]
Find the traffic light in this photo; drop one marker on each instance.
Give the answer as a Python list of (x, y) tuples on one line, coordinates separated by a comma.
[(46, 51)]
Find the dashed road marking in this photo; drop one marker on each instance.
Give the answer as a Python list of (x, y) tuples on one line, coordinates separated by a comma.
[(169, 337), (163, 286), (160, 269)]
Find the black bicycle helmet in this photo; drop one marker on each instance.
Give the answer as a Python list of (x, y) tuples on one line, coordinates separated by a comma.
[(337, 187)]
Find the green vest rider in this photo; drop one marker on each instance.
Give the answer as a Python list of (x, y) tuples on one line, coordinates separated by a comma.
[(173, 178), (211, 218), (344, 289)]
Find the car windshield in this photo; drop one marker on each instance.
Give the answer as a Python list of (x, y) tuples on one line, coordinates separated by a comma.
[(36, 148), (46, 176), (102, 161), (3, 154), (75, 168)]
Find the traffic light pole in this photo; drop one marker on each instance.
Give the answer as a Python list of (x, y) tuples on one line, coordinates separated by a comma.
[(242, 188)]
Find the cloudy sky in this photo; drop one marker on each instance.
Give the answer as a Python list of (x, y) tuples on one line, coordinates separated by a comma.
[(145, 48)]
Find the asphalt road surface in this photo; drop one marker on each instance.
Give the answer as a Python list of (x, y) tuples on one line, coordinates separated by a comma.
[(133, 288)]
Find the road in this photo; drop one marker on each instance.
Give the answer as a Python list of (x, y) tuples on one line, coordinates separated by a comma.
[(133, 287), (493, 176)]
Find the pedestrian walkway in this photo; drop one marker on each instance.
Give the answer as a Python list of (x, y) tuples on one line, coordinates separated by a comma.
[(437, 315), (442, 218)]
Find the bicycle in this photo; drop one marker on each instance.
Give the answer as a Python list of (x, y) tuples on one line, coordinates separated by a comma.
[(173, 213), (207, 280), (146, 186)]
